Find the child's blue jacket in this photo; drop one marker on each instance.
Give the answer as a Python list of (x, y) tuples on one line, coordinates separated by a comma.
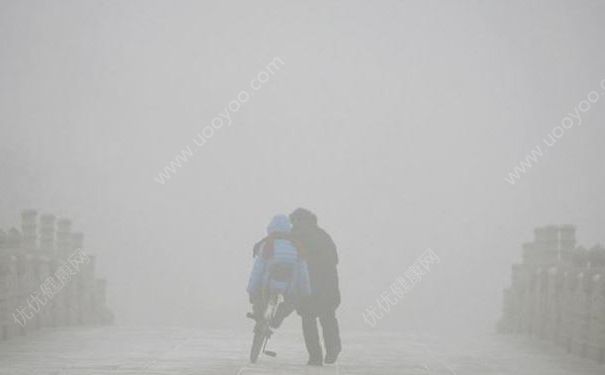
[(283, 253)]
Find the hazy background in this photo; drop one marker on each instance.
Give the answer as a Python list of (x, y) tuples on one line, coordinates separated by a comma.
[(395, 121)]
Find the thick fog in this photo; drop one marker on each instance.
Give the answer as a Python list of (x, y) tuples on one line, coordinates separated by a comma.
[(396, 122)]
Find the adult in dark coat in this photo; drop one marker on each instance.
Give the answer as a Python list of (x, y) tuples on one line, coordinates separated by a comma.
[(322, 259)]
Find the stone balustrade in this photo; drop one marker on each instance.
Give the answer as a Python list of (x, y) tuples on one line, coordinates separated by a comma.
[(557, 293), (47, 279)]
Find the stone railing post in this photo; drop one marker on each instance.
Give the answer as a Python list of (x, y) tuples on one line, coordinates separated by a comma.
[(29, 224), (18, 294), (5, 289), (599, 314), (558, 292), (47, 234), (567, 242), (568, 311), (60, 304), (520, 287), (45, 265), (584, 292), (74, 288), (595, 346), (64, 238), (86, 283), (542, 293), (103, 315), (555, 301)]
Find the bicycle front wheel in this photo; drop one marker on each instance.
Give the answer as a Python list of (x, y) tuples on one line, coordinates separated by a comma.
[(257, 343)]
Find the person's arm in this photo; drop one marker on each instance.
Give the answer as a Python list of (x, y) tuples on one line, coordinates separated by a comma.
[(331, 249), (256, 276), (257, 247)]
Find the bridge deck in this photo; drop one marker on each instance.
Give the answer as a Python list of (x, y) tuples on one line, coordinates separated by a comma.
[(124, 351)]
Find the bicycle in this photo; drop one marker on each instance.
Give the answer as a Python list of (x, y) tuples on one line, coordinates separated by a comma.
[(262, 328)]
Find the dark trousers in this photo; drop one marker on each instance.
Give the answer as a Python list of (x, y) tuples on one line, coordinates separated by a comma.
[(330, 330)]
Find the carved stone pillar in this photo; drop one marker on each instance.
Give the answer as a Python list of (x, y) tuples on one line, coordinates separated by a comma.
[(546, 244), (14, 240), (596, 257), (2, 239), (47, 234), (17, 293), (567, 242), (74, 289), (529, 253), (29, 224), (63, 238), (62, 250), (103, 314)]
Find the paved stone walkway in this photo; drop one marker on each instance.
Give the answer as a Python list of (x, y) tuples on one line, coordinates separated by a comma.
[(124, 351)]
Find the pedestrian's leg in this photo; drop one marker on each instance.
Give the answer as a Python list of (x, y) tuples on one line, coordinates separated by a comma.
[(311, 334), (331, 334)]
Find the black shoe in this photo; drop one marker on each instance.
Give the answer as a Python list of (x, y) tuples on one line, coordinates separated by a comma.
[(314, 362), (331, 357)]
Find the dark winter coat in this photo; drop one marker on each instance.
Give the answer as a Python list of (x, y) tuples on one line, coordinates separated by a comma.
[(322, 259)]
